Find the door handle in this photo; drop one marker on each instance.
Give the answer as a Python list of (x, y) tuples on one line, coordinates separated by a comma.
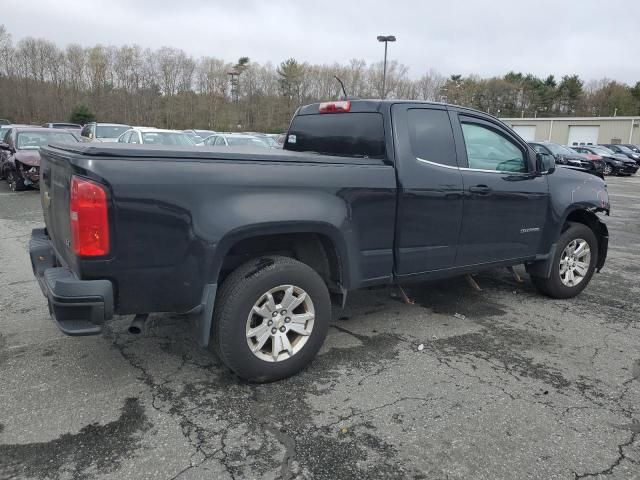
[(481, 189)]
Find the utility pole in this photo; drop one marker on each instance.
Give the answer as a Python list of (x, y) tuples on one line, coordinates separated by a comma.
[(234, 79), (386, 39)]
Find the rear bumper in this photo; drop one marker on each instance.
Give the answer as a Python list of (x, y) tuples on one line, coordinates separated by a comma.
[(79, 307)]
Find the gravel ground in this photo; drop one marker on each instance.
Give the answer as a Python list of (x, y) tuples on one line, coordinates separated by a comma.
[(508, 384)]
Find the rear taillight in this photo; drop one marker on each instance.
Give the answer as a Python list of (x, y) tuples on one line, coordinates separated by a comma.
[(335, 107), (89, 218)]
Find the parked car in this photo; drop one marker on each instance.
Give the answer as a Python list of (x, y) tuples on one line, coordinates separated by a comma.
[(623, 150), (567, 157), (234, 140), (21, 164), (156, 136), (615, 163), (257, 242), (103, 132), (4, 121)]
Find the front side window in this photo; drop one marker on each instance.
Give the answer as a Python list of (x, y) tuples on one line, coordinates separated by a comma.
[(488, 150), (219, 141), (134, 138), (431, 136)]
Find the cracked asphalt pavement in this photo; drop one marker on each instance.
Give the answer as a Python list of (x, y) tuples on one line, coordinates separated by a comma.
[(508, 384)]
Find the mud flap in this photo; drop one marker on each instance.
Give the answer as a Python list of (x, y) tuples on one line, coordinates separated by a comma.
[(542, 267), (202, 324)]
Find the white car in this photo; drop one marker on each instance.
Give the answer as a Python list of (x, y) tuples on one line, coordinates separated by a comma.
[(155, 136), (234, 140)]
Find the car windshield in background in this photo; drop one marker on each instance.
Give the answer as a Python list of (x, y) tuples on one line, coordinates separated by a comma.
[(604, 150), (204, 133), (559, 149), (166, 138), (194, 137), (359, 134), (238, 141), (625, 149), (35, 140), (3, 132), (269, 142), (105, 131)]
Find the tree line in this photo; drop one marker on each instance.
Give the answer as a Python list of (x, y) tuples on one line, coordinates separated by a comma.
[(166, 87)]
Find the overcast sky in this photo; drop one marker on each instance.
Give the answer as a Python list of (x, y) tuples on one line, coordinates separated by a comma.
[(593, 38)]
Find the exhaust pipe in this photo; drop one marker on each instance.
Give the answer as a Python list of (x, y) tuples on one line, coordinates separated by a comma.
[(137, 324)]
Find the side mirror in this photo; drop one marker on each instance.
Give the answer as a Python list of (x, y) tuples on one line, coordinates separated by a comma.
[(90, 135), (546, 163), (6, 147)]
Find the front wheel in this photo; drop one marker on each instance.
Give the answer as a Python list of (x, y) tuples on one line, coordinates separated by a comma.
[(15, 180), (608, 169), (573, 263), (271, 317)]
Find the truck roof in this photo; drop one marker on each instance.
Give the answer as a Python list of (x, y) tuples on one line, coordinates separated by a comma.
[(375, 105)]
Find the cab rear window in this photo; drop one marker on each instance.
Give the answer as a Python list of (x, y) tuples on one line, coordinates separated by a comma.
[(359, 134)]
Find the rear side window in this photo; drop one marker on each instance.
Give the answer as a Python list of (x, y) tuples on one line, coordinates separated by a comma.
[(359, 134), (431, 136)]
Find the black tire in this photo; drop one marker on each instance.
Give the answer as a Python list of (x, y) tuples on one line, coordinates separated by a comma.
[(553, 286), (15, 180), (235, 300)]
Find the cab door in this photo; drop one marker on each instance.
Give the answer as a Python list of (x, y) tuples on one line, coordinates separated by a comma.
[(505, 200), (430, 189)]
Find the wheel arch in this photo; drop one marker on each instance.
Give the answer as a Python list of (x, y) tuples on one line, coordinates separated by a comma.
[(321, 245)]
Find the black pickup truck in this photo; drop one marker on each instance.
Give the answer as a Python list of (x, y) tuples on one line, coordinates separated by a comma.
[(257, 244)]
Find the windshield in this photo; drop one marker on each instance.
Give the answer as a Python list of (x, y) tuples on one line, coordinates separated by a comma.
[(237, 141), (269, 142), (194, 137), (604, 150), (110, 131), (35, 140), (204, 133), (166, 138), (625, 149), (558, 149), (3, 132)]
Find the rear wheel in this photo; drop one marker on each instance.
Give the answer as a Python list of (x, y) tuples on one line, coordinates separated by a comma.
[(271, 318), (608, 169), (15, 180), (573, 264)]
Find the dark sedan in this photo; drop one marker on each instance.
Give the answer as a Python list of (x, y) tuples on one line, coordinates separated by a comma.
[(21, 154), (566, 156), (624, 150), (615, 163)]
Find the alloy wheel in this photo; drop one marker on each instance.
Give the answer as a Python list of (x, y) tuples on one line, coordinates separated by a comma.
[(280, 323), (575, 262)]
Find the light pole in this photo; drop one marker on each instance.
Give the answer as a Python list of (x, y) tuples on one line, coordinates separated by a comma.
[(386, 39)]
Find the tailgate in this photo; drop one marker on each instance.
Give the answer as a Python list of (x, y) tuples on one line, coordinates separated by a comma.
[(55, 173)]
